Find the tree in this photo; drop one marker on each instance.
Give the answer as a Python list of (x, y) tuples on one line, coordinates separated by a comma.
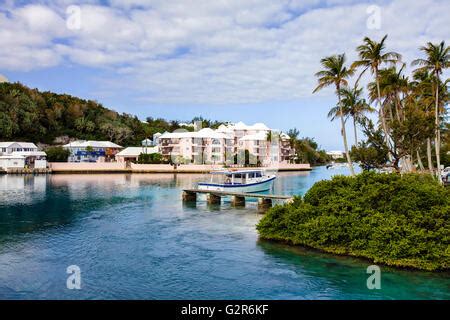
[(372, 56), (57, 154), (437, 59), (336, 73), (354, 106), (373, 152)]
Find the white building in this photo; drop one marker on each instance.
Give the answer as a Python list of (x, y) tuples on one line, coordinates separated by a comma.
[(336, 154), (92, 151), (21, 154), (221, 145), (205, 146), (12, 162), (132, 153)]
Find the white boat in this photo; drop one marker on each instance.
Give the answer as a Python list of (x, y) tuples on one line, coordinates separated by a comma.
[(239, 181)]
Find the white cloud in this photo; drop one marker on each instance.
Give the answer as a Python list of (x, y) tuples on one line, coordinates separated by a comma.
[(201, 51)]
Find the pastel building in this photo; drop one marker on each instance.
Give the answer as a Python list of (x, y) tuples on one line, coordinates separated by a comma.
[(92, 151), (131, 154), (205, 146), (267, 146)]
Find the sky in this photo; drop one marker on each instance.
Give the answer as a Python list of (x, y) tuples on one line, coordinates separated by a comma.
[(229, 60)]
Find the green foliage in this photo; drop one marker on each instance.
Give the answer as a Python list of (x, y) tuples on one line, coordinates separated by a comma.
[(369, 156), (152, 158), (306, 149), (396, 220), (30, 115), (250, 160), (57, 154)]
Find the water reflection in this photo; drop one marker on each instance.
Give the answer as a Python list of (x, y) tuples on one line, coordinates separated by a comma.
[(346, 277)]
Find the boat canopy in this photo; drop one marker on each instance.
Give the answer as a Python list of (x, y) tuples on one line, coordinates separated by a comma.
[(236, 171)]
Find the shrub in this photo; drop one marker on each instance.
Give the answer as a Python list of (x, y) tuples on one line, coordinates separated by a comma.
[(152, 158), (388, 218), (57, 154)]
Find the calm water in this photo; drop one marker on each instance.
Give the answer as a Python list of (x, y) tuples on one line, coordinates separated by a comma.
[(133, 238)]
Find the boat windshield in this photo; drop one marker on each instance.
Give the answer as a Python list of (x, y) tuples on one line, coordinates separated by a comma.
[(234, 178)]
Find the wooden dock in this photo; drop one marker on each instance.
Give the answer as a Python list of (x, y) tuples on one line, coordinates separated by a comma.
[(237, 198)]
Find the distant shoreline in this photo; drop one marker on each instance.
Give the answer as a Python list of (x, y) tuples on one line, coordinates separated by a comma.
[(116, 167)]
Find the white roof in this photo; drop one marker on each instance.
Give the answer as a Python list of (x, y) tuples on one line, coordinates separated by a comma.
[(335, 152), (136, 151), (21, 144), (203, 133), (253, 137), (284, 136), (93, 144), (259, 126), (242, 126)]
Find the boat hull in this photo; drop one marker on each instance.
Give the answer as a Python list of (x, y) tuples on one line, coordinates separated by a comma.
[(243, 188)]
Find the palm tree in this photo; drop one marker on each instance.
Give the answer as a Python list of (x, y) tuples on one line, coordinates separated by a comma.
[(353, 106), (437, 59), (372, 56), (336, 73), (423, 92)]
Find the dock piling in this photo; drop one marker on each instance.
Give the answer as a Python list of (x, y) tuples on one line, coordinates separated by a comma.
[(189, 196), (238, 201), (264, 204), (213, 199)]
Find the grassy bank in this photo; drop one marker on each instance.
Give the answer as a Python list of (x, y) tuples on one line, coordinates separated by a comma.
[(390, 219)]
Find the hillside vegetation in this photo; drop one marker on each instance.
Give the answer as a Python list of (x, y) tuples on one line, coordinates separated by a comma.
[(30, 115)]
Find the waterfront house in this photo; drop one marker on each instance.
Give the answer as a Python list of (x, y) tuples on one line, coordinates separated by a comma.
[(131, 154), (21, 154), (336, 154), (11, 162), (92, 151)]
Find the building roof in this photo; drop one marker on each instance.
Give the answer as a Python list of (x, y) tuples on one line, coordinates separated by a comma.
[(203, 133), (252, 137), (21, 144), (335, 152), (284, 136), (242, 126), (136, 151), (91, 143)]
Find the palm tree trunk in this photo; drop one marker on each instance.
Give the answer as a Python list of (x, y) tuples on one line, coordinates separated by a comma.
[(344, 135), (430, 161), (354, 129), (437, 142), (419, 160), (383, 119)]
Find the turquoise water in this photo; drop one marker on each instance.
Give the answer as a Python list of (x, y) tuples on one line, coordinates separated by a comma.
[(133, 238)]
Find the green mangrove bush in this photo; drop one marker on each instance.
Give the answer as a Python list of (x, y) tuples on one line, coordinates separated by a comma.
[(391, 219)]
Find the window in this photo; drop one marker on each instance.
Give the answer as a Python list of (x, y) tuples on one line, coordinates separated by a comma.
[(251, 174), (258, 174)]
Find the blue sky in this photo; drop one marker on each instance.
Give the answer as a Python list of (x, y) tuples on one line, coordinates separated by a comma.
[(247, 60)]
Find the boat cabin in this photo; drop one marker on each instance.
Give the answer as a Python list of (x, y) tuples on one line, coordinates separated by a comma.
[(236, 177)]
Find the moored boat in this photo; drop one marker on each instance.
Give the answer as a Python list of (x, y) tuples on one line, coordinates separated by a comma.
[(247, 180)]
